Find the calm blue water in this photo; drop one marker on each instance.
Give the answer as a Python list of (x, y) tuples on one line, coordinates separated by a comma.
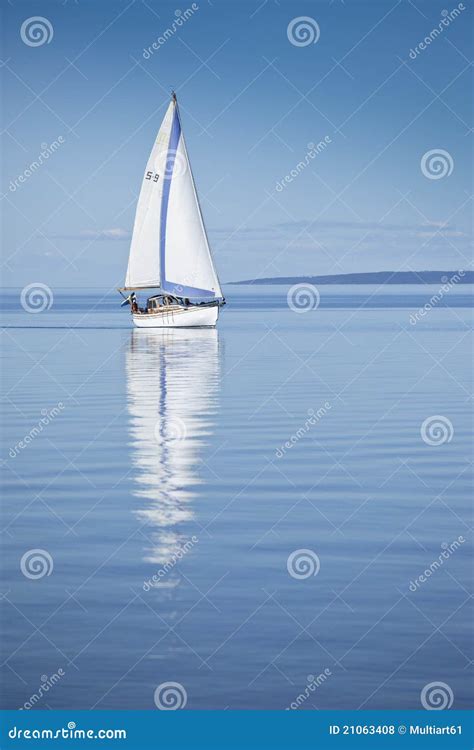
[(164, 441)]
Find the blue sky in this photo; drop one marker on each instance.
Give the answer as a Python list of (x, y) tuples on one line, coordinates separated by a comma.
[(251, 102)]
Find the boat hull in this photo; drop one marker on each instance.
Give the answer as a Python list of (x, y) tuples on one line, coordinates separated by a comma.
[(179, 317)]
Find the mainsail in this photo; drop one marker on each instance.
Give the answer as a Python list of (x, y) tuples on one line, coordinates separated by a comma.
[(169, 246)]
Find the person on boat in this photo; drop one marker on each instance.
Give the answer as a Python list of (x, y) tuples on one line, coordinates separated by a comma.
[(187, 302), (134, 305)]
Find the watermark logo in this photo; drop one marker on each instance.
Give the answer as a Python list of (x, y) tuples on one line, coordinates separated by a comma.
[(46, 684), (436, 164), (313, 150), (36, 297), (303, 31), (302, 298), (47, 416), (170, 430), (437, 696), (36, 563), (175, 165), (175, 557), (181, 17), (303, 563), (313, 683), (437, 430), (447, 286), (36, 31), (170, 696), (311, 421), (189, 279), (47, 150), (448, 550), (446, 20), (71, 731)]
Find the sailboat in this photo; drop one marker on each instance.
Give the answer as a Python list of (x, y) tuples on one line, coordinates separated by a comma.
[(169, 252)]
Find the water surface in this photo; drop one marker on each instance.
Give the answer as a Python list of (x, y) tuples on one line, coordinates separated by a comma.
[(176, 473)]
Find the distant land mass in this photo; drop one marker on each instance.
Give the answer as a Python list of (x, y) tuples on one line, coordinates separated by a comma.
[(377, 277)]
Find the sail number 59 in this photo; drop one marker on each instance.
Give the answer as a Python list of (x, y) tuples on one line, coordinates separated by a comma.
[(152, 176)]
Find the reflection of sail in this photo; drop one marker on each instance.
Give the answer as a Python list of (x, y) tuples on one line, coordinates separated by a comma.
[(172, 377)]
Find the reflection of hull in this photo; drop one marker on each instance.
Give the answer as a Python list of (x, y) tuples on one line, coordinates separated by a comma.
[(178, 317), (172, 383)]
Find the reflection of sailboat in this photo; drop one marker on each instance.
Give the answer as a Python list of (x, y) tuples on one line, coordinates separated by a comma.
[(172, 380)]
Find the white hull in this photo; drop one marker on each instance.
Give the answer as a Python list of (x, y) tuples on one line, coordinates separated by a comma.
[(178, 317)]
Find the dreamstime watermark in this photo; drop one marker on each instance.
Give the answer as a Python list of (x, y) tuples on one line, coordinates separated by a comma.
[(447, 18), (313, 683), (175, 165), (437, 430), (170, 429), (170, 696), (313, 150), (448, 550), (47, 150), (36, 297), (36, 563), (436, 164), (180, 19), (46, 684), (36, 31), (71, 732), (302, 31), (48, 416), (448, 284), (302, 298), (175, 557), (179, 290), (311, 421), (303, 563), (437, 696)]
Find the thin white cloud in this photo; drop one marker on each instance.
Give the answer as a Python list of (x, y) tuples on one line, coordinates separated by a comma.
[(114, 234)]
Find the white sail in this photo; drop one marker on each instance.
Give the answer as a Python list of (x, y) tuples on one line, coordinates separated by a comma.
[(169, 245), (188, 260), (144, 260)]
